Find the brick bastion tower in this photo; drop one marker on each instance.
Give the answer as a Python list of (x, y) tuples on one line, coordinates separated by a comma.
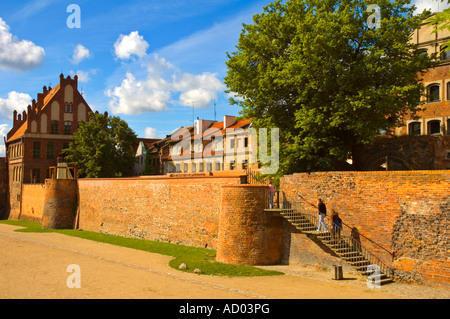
[(60, 204), (248, 235)]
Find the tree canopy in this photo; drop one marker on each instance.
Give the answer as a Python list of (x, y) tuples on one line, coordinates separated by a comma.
[(318, 71), (103, 147)]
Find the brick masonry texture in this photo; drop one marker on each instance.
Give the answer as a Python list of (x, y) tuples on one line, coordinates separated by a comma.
[(247, 234), (178, 210), (404, 153), (60, 204), (404, 212)]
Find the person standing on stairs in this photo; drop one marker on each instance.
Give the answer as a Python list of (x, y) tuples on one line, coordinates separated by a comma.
[(322, 213)]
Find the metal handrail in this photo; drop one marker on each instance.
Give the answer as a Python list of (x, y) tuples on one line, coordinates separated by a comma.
[(361, 235), (347, 240)]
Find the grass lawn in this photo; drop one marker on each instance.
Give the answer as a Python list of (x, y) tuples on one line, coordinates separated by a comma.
[(203, 259)]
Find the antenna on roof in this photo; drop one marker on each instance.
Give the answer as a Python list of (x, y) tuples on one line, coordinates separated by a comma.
[(215, 114), (193, 107)]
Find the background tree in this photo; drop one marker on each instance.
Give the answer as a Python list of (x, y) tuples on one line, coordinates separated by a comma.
[(103, 147), (318, 72)]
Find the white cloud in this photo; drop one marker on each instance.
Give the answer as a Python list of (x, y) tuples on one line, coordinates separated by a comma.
[(15, 102), (15, 54), (132, 44), (80, 53), (137, 97), (431, 5), (164, 84), (83, 76), (4, 129), (151, 132), (198, 90)]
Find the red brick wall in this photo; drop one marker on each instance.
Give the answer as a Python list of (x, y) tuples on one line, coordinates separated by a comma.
[(247, 234), (177, 210), (405, 212), (32, 202)]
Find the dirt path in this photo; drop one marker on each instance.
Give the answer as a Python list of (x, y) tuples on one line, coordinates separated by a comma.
[(34, 265)]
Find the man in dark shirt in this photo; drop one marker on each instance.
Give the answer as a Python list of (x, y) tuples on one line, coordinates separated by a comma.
[(322, 213)]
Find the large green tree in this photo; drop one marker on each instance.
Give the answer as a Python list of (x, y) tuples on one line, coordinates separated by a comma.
[(325, 76), (103, 147)]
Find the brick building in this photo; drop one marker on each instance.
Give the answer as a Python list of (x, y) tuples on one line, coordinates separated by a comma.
[(423, 141), (39, 134), (434, 119)]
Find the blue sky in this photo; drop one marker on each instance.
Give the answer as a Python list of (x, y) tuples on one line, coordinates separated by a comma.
[(155, 64)]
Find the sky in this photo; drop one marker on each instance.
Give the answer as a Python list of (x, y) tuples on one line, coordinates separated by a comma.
[(158, 65)]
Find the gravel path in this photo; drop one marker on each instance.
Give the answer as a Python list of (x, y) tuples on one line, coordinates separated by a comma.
[(38, 265)]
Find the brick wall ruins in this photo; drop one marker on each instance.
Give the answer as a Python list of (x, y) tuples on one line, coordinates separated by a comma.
[(405, 213)]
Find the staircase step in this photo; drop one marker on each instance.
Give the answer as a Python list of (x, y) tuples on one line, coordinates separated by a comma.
[(341, 246)]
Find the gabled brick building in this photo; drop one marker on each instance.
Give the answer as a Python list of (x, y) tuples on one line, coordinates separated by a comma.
[(39, 134)]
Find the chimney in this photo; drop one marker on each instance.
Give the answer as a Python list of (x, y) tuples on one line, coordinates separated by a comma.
[(228, 121), (14, 117)]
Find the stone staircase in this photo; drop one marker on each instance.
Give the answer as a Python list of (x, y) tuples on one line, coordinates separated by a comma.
[(341, 243)]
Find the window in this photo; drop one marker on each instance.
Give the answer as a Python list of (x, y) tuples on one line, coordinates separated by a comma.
[(50, 150), (65, 146), (448, 127), (185, 170), (217, 143), (422, 52), (232, 166), (201, 167), (67, 128), (218, 166), (209, 167), (446, 54), (232, 143), (36, 150), (193, 167), (68, 108), (244, 164), (54, 128), (434, 127), (35, 176), (246, 142), (414, 129), (434, 93), (448, 91)]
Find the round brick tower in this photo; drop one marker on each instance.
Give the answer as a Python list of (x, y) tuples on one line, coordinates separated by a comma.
[(247, 234), (60, 204)]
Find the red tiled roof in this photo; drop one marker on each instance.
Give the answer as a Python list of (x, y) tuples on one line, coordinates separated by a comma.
[(19, 133), (50, 95)]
